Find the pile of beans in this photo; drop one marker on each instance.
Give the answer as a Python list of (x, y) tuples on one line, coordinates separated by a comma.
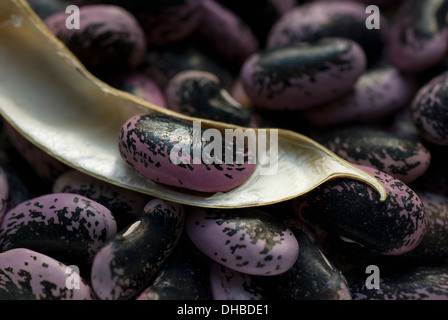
[(377, 97)]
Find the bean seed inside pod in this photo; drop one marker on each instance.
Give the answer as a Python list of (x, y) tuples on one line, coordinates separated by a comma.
[(175, 153), (68, 227)]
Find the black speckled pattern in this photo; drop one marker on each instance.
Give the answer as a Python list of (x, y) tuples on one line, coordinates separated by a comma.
[(126, 264)]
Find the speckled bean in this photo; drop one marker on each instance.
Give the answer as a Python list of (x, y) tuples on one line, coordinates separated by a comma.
[(435, 241), (225, 32), (407, 283), (125, 205), (129, 261), (402, 158), (248, 241), (163, 63), (183, 277), (302, 76), (146, 143), (67, 227), (30, 275), (419, 35), (313, 276), (109, 41), (351, 210), (309, 22), (379, 92), (429, 111), (229, 284), (200, 94)]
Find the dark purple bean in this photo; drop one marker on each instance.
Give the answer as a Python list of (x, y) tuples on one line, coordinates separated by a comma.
[(129, 261), (352, 211), (30, 275), (162, 64), (310, 22), (110, 40), (226, 33), (67, 227), (314, 276), (302, 76), (248, 241), (405, 283), (260, 15), (142, 86), (419, 35), (378, 93), (183, 277), (429, 111), (434, 244), (404, 159), (147, 143), (125, 205), (200, 94)]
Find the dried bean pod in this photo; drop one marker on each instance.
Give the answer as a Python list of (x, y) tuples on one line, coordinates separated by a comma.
[(30, 275), (351, 210), (379, 92), (200, 94), (67, 227), (406, 283), (109, 41), (125, 205), (248, 241), (313, 21), (419, 35), (124, 266), (226, 33), (404, 159), (302, 76), (149, 143), (430, 110)]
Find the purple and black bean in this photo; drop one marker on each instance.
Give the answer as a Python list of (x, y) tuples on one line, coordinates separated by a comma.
[(376, 97)]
